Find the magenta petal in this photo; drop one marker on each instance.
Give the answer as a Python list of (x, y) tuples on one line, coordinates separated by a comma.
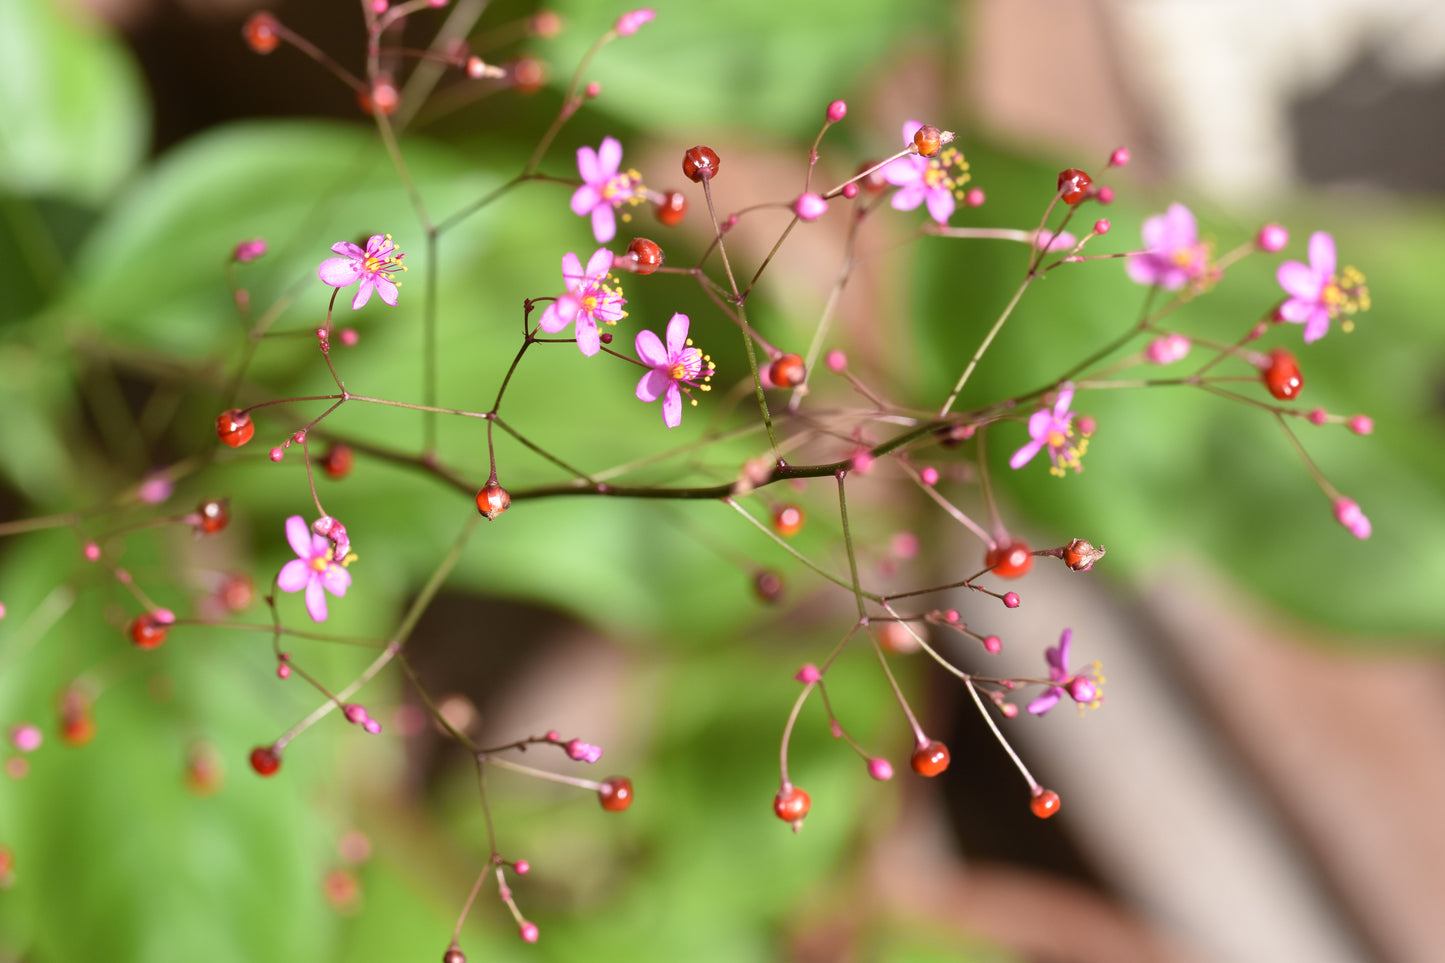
[(584, 199), (608, 158), (588, 341), (1142, 269), (676, 336), (1025, 454), (363, 292), (1179, 227), (316, 601), (294, 575), (348, 250), (1156, 234), (387, 290), (1039, 424), (909, 197), (1045, 702), (650, 350), (1059, 655), (599, 263), (1298, 280), (903, 171), (652, 385), (571, 270), (1297, 310), (911, 127), (1322, 254), (1066, 398), (940, 206), (298, 535), (587, 166), (558, 314), (672, 406), (376, 245), (1317, 326), (340, 271), (604, 223), (336, 580)]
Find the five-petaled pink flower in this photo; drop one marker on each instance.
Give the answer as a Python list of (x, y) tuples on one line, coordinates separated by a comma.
[(676, 368), (1317, 294), (1174, 255), (373, 267), (1054, 430), (589, 299), (936, 180), (604, 188), (315, 568), (1081, 687)]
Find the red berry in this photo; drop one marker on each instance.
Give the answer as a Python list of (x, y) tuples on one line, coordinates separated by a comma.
[(769, 586), (788, 371), (672, 208), (492, 500), (265, 760), (1045, 803), (928, 139), (262, 33), (77, 725), (787, 520), (528, 75), (215, 514), (146, 631), (1010, 559), (615, 793), (337, 461), (646, 256), (454, 955), (791, 804), (235, 427), (1282, 376), (1073, 185), (700, 163), (930, 760)]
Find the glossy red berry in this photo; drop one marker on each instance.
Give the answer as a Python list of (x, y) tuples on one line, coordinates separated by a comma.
[(1282, 376), (700, 164), (615, 793), (671, 209), (928, 139), (492, 500), (1073, 185), (791, 804), (1010, 559), (235, 427), (146, 631), (77, 725), (1045, 803), (645, 255), (262, 32), (265, 760), (788, 371), (787, 520), (454, 955), (213, 515), (930, 760), (337, 461)]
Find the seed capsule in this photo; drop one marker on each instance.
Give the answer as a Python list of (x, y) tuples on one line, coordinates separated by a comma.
[(1073, 185), (930, 760), (700, 164)]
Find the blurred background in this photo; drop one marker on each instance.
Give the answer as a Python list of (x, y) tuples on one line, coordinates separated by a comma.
[(1261, 781)]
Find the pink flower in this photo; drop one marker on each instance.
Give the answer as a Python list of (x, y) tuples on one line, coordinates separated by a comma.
[(1174, 254), (935, 180), (1045, 236), (1317, 293), (628, 24), (588, 300), (373, 267), (675, 369), (603, 188), (1054, 430), (1080, 687), (315, 568)]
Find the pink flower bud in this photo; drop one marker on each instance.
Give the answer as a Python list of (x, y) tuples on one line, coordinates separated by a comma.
[(1082, 689), (1105, 195), (283, 671), (355, 714), (836, 361), (1101, 226), (522, 867), (1167, 349), (1318, 416), (1271, 238), (974, 197), (1011, 600), (993, 645), (837, 110), (278, 453), (349, 337), (248, 251), (880, 769), (850, 191), (1348, 514), (1362, 424), (810, 207), (25, 737), (1120, 157), (92, 552), (582, 751), (1009, 710), (808, 674), (155, 489), (372, 726), (1088, 424), (528, 929), (627, 25), (929, 476)]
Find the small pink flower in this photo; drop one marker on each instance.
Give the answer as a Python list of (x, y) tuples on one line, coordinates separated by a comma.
[(1081, 687), (582, 751), (589, 299), (676, 368), (629, 23), (936, 181), (1174, 255), (315, 568), (1316, 293), (373, 267), (1167, 349), (603, 188), (1054, 430), (1348, 514)]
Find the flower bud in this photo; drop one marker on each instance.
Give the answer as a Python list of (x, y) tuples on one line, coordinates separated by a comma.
[(1080, 556)]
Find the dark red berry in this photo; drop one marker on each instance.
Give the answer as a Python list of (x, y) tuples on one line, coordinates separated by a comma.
[(769, 586), (700, 164), (787, 520), (930, 760), (213, 515), (454, 955), (235, 427), (1073, 185), (337, 461), (928, 139), (262, 33), (265, 760), (788, 371), (1282, 376), (1045, 803), (671, 209), (146, 631), (1010, 559), (615, 793), (791, 804), (645, 255), (492, 500)]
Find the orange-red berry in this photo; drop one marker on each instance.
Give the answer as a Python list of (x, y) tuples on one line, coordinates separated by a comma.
[(787, 520), (337, 461), (454, 955), (788, 371), (646, 256), (214, 514), (700, 163), (671, 209), (1010, 559), (235, 427), (528, 75), (77, 725), (928, 139), (262, 33), (615, 793), (1073, 185), (492, 500), (1045, 803), (1282, 376), (265, 760), (791, 804), (146, 631), (930, 760)]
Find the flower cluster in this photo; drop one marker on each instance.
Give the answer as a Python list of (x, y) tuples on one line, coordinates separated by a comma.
[(1082, 687)]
